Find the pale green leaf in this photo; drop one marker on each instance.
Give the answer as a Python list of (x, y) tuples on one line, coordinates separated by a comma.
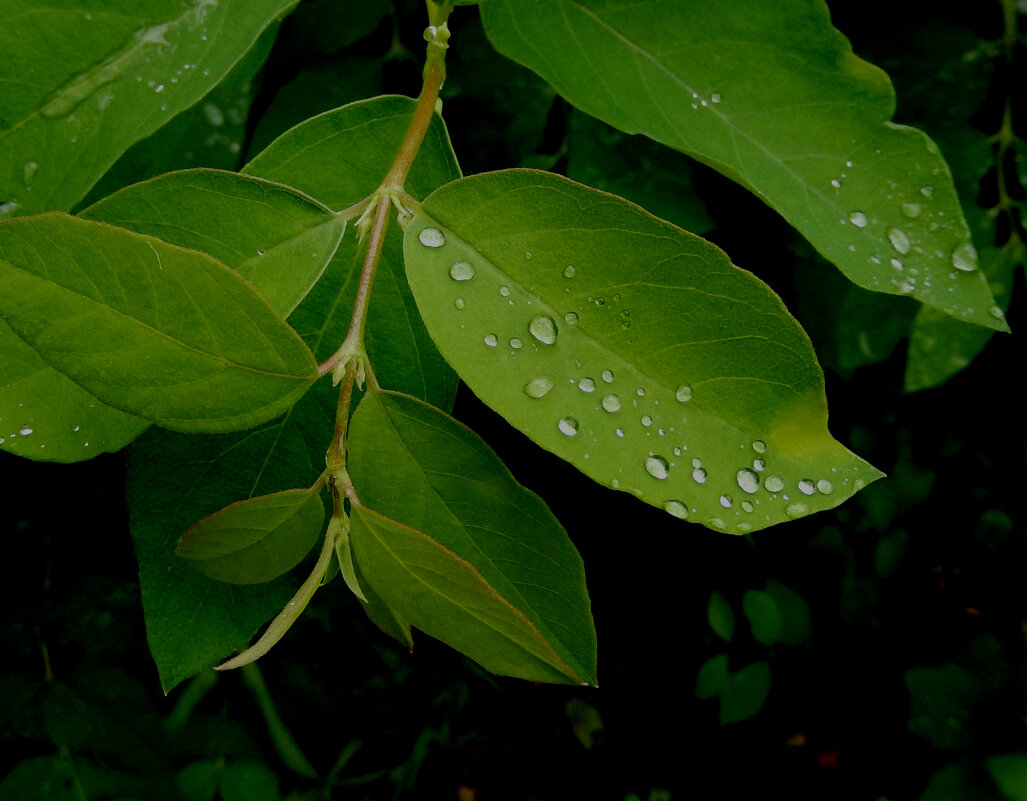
[(275, 237), (339, 158), (771, 95), (632, 349), (255, 540), (163, 333), (443, 501), (83, 81)]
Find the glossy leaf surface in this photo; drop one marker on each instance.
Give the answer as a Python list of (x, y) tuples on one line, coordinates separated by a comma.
[(256, 540), (771, 95), (114, 73), (448, 539), (632, 349), (166, 334)]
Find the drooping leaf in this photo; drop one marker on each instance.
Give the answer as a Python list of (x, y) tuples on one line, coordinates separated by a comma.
[(632, 349), (255, 540), (103, 76), (786, 109), (339, 158), (448, 539), (275, 237), (166, 334)]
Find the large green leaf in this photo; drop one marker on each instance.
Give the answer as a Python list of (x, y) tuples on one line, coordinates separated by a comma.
[(255, 540), (632, 349), (771, 95), (163, 333), (340, 157), (449, 540), (86, 79)]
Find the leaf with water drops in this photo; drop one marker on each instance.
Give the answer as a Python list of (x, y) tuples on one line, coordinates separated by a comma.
[(629, 347), (157, 331), (771, 95), (105, 76), (461, 550), (255, 540)]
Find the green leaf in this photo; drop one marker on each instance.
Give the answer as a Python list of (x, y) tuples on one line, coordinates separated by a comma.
[(256, 540), (764, 616), (103, 76), (713, 677), (1010, 773), (771, 95), (745, 694), (448, 539), (280, 240), (944, 703), (166, 334), (632, 349), (339, 158), (721, 616)]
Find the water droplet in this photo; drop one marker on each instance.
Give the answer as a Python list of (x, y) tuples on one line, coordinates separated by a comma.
[(796, 509), (568, 426), (587, 385), (647, 420), (676, 508), (684, 393), (899, 240), (715, 97), (964, 257), (759, 446), (432, 237), (24, 431), (759, 465), (717, 523), (459, 303), (461, 271), (747, 480), (569, 271), (911, 210), (516, 343), (807, 487), (8, 209), (747, 506), (491, 340), (28, 170), (619, 432), (538, 386), (640, 392), (543, 329), (825, 486), (657, 467), (726, 501), (858, 218), (699, 475), (997, 313), (608, 376), (504, 291), (571, 318), (926, 191), (611, 403), (774, 483)]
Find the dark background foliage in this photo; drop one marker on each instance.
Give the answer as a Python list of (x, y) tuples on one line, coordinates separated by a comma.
[(911, 679)]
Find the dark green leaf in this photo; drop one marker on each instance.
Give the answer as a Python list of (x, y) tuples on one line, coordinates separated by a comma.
[(764, 616), (785, 109), (166, 334), (442, 501), (745, 694), (105, 75), (713, 677), (721, 616), (632, 349), (256, 540)]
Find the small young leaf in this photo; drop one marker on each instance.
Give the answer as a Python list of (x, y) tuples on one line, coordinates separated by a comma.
[(721, 616), (771, 95), (745, 693), (764, 614), (273, 236), (441, 497), (632, 349), (445, 597), (256, 540), (713, 677), (163, 333), (103, 78)]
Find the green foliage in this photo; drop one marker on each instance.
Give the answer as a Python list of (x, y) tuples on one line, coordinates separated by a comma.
[(261, 337)]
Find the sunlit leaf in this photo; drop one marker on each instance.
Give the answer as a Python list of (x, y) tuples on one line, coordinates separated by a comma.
[(166, 334), (632, 349), (447, 538), (255, 540), (103, 76), (771, 95)]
